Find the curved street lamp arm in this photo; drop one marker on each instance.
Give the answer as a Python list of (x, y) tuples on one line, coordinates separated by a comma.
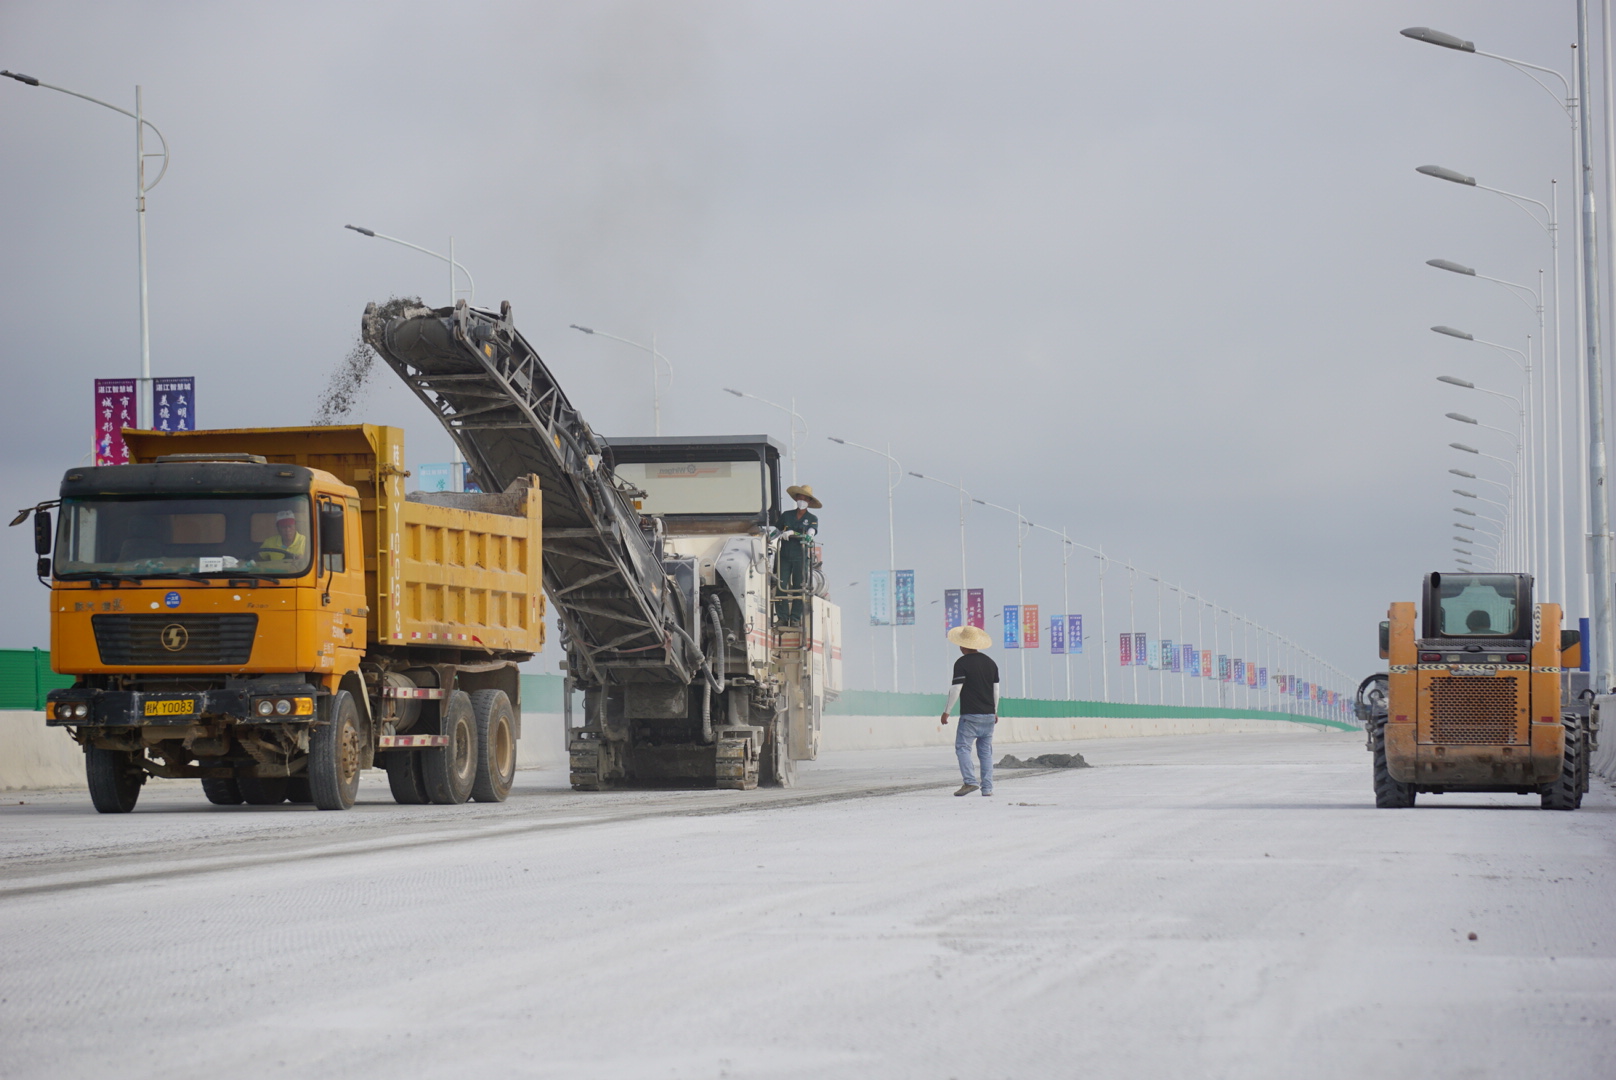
[(1545, 225), (873, 450), (428, 251), (1566, 103), (30, 81)]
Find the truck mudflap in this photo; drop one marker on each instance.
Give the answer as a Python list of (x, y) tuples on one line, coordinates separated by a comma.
[(90, 708)]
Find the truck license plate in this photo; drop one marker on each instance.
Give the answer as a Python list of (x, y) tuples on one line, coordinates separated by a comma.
[(170, 708)]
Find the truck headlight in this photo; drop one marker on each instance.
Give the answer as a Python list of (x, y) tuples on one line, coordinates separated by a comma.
[(283, 707), (265, 707)]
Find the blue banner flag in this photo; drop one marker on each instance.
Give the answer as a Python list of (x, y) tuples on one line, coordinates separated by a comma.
[(174, 404), (904, 597), (880, 598), (1239, 671), (1057, 635), (952, 615), (1012, 626), (435, 477), (1262, 678), (1187, 660), (1170, 656), (1140, 650), (1074, 635)]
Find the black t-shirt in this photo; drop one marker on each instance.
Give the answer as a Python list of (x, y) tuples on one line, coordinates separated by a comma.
[(975, 674)]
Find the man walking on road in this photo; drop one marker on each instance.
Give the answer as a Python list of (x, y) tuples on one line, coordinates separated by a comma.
[(976, 688)]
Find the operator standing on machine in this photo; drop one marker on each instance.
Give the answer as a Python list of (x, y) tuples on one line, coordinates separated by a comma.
[(798, 526)]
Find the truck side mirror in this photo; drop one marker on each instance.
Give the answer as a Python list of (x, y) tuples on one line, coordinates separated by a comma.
[(333, 537), (1385, 638), (1569, 638), (42, 533), (42, 567)]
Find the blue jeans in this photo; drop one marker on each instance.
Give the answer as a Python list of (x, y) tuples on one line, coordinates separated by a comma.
[(975, 728)]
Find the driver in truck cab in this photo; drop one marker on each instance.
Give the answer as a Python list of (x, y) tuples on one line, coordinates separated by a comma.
[(287, 543)]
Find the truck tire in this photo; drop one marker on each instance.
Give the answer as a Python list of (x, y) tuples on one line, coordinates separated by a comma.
[(1390, 794), (496, 745), (1566, 792), (335, 754), (262, 790), (222, 790), (404, 777), (449, 771), (115, 778)]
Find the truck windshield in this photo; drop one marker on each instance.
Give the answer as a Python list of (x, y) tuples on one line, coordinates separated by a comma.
[(154, 537), (1477, 605), (697, 487)]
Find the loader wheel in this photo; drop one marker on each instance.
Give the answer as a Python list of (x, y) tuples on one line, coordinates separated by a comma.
[(115, 778), (335, 754), (262, 790), (496, 745), (1566, 792), (1390, 794), (450, 771), (404, 777), (222, 790)]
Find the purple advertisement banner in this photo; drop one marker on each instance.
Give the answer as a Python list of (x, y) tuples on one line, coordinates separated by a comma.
[(1074, 635), (1141, 650), (174, 404), (976, 609), (114, 411), (951, 609)]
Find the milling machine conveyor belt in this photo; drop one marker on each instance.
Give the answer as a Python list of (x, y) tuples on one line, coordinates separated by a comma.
[(502, 406)]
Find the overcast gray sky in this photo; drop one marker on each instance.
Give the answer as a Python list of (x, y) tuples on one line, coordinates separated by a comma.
[(1152, 271)]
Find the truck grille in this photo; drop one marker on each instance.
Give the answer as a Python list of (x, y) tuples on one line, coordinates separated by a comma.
[(169, 640), (1474, 710)]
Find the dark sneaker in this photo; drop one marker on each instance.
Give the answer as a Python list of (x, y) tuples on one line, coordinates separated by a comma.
[(965, 789)]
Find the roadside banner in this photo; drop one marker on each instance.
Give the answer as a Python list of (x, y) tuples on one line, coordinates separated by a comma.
[(880, 598), (1125, 650), (1192, 660), (1251, 675), (1223, 667), (174, 404), (1153, 654), (904, 597), (1057, 635), (439, 477), (1029, 626), (1239, 670), (1262, 678), (976, 609), (468, 481), (1074, 635), (1206, 663), (1169, 656), (114, 411), (951, 609), (1012, 626), (1140, 650)]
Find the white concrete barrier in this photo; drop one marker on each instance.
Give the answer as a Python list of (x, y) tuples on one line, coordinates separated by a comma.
[(33, 756), (890, 732)]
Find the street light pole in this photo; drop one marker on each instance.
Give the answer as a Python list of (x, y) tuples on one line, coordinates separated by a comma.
[(143, 397), (449, 258), (1023, 527), (790, 411), (656, 376), (963, 495), (893, 468)]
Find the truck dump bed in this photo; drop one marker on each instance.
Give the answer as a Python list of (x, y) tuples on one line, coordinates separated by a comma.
[(446, 570)]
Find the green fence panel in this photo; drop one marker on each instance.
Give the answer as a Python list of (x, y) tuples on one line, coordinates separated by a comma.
[(886, 703), (25, 678)]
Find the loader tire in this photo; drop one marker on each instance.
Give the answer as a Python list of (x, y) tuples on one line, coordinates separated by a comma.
[(115, 779), (262, 790), (496, 745), (450, 771), (404, 777), (336, 754), (1390, 794), (1566, 792), (222, 790)]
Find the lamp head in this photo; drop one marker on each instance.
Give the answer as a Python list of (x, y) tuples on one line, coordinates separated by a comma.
[(1437, 37), (1449, 264), (1450, 175), (360, 231)]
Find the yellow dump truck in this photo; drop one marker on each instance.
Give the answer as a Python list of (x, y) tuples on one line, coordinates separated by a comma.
[(1472, 697), (268, 611)]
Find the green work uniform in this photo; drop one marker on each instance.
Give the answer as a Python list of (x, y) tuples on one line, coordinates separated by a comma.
[(794, 558)]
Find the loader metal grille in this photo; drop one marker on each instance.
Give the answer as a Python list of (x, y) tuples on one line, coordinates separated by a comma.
[(174, 639), (1473, 710)]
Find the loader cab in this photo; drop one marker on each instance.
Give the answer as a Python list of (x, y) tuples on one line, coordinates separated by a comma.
[(1482, 610), (702, 484)]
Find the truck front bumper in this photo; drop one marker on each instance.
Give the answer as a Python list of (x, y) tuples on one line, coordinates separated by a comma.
[(79, 707)]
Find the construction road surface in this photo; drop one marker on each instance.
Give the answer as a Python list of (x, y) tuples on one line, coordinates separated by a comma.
[(1191, 907)]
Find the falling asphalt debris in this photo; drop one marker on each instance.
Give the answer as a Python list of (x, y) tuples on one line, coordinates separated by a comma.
[(1045, 761)]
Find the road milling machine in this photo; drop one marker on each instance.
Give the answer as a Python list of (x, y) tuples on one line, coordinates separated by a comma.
[(1473, 698), (699, 663)]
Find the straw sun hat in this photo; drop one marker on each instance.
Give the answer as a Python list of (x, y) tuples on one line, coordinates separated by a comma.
[(805, 491), (970, 637)]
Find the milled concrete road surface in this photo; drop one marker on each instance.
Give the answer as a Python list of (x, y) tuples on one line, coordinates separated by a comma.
[(1217, 906)]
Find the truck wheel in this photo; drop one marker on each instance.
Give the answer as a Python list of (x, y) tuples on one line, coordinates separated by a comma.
[(1566, 792), (496, 745), (298, 791), (222, 790), (450, 771), (778, 770), (404, 777), (262, 790), (335, 753), (1390, 794), (115, 779)]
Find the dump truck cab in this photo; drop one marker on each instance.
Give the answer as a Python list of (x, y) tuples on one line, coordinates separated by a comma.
[(1472, 698)]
